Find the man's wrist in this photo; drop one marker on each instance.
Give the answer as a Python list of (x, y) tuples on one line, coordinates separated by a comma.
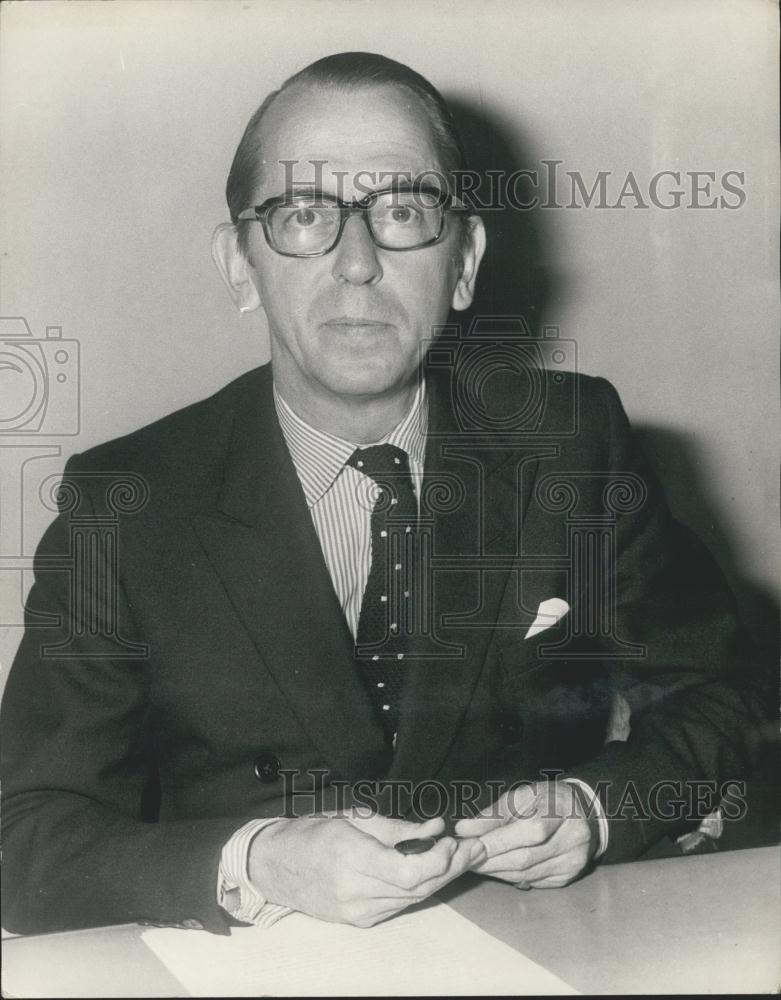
[(259, 855), (593, 813), (237, 891)]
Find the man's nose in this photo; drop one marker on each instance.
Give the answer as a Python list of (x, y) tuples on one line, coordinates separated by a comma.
[(355, 255)]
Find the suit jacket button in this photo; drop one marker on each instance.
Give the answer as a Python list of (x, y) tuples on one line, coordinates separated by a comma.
[(267, 767)]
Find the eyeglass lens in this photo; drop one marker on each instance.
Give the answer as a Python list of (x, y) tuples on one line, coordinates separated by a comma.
[(397, 220)]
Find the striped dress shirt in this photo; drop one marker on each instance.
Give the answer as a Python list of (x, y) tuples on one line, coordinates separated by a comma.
[(340, 498)]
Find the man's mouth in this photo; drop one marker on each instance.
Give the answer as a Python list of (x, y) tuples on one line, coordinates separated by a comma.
[(356, 323)]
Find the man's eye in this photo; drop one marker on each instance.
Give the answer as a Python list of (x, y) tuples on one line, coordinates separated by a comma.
[(300, 217), (304, 217), (402, 214)]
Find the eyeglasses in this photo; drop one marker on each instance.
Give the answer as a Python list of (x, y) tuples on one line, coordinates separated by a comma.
[(311, 224)]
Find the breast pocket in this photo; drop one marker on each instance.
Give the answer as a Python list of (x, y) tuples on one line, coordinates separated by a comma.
[(520, 657)]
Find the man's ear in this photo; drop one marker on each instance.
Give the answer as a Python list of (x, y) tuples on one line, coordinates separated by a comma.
[(471, 255), (234, 268)]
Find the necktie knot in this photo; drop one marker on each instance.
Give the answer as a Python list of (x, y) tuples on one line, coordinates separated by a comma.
[(379, 461), (388, 468)]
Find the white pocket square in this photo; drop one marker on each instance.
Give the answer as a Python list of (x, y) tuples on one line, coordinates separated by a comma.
[(548, 613)]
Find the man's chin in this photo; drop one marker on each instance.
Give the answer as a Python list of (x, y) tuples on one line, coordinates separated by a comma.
[(363, 386), (368, 380)]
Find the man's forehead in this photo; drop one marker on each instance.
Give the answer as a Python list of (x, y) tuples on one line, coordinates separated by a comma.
[(375, 129)]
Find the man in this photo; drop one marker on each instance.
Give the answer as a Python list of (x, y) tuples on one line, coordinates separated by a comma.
[(188, 746)]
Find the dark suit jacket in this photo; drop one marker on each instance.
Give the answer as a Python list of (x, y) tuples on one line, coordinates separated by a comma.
[(130, 749)]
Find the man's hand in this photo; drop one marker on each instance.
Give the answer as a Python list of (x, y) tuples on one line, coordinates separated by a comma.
[(537, 835), (346, 869)]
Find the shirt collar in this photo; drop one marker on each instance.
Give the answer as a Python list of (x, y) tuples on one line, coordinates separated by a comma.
[(319, 457)]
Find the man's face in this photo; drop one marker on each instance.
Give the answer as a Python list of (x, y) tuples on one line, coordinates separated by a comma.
[(350, 323)]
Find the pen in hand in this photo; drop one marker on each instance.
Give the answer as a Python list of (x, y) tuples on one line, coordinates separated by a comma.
[(416, 845), (419, 845)]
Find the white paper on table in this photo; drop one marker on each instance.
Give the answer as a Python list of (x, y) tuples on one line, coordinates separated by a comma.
[(427, 951)]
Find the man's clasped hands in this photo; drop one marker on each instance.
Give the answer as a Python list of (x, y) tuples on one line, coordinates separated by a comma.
[(347, 870)]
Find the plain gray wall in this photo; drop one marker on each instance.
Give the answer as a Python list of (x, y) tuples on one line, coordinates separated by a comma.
[(118, 123)]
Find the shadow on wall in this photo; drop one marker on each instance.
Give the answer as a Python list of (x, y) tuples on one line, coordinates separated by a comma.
[(512, 280), (675, 459)]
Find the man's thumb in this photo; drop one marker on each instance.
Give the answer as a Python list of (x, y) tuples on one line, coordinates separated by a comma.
[(390, 831)]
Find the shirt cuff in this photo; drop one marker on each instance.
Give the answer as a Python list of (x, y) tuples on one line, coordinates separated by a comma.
[(595, 808), (235, 893)]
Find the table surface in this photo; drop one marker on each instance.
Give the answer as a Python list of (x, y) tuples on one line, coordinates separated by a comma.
[(701, 924)]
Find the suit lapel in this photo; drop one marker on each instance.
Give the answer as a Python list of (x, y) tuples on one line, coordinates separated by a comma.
[(487, 520), (263, 545)]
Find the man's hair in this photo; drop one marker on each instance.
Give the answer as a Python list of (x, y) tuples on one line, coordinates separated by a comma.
[(344, 70)]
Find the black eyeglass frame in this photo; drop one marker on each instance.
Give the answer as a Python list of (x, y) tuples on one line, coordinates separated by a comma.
[(360, 206)]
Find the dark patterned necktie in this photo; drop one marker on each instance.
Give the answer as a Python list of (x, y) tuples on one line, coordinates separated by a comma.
[(386, 618)]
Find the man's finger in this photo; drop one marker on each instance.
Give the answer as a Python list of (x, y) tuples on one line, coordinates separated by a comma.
[(517, 861), (518, 802), (465, 854), (405, 871), (531, 874), (519, 833), (553, 881), (468, 855), (390, 831), (478, 826), (565, 865)]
